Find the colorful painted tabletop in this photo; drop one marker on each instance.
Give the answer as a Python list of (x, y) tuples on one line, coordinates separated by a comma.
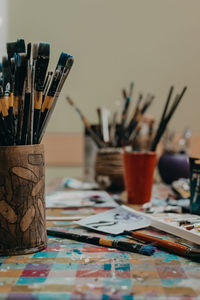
[(72, 270)]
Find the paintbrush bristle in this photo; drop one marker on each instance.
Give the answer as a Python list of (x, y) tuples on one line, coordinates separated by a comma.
[(11, 49), (35, 51), (44, 49), (20, 46), (70, 101), (41, 65), (28, 51), (63, 59)]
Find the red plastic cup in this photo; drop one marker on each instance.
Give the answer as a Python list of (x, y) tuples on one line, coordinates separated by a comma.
[(138, 170)]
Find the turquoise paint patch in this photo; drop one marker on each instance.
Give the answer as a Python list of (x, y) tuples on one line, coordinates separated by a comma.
[(107, 267), (45, 254), (118, 255), (105, 297), (30, 280), (77, 251), (122, 267), (128, 297)]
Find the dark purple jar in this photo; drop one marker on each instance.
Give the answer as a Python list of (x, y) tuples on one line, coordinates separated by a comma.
[(173, 166)]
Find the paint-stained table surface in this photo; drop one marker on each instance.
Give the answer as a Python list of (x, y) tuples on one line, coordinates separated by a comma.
[(72, 270)]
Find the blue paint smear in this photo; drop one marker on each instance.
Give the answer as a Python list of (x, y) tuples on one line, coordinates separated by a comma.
[(128, 297), (122, 267), (30, 280), (107, 267), (106, 297), (77, 251), (53, 296)]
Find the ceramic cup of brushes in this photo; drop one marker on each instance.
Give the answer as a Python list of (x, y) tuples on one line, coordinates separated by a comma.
[(28, 97), (109, 169)]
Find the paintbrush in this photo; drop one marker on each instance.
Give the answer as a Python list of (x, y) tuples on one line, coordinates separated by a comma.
[(126, 104), (4, 134), (99, 241), (64, 75), (46, 84), (113, 130), (27, 98), (31, 107), (87, 124), (41, 66), (105, 126), (166, 244), (135, 113), (46, 105), (7, 99), (99, 114), (163, 124), (20, 74), (51, 108)]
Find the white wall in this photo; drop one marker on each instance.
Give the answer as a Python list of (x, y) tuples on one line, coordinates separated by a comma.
[(155, 43), (3, 26)]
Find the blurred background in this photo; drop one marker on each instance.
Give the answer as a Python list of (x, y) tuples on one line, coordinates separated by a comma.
[(153, 43)]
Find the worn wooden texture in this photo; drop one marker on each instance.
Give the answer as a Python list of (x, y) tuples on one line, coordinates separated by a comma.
[(22, 199), (109, 168)]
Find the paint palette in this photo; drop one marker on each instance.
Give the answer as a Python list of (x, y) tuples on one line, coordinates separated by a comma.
[(186, 226)]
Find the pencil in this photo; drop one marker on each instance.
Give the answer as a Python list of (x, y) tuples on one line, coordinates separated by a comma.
[(87, 124), (117, 244), (166, 244)]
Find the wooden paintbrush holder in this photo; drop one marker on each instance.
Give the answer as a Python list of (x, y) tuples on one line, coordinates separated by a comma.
[(109, 169), (22, 199)]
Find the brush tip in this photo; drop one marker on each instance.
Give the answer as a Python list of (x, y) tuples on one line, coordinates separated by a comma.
[(44, 49), (35, 50), (147, 250), (70, 101), (20, 45), (63, 59)]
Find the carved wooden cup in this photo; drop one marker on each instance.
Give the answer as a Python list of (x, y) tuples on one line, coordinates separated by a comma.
[(22, 199)]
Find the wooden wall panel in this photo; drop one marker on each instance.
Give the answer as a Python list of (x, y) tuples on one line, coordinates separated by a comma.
[(64, 149)]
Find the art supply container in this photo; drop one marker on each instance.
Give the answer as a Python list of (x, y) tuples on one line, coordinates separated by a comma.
[(195, 185), (138, 175), (22, 199), (109, 169)]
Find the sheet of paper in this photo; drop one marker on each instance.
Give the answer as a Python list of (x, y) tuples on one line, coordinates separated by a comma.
[(64, 199), (116, 221)]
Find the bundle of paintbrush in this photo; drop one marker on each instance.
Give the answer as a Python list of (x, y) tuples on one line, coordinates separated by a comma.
[(28, 91), (119, 130)]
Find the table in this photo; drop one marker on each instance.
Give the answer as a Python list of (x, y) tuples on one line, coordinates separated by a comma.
[(72, 270)]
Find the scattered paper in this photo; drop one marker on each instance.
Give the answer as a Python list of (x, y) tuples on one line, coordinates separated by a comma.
[(116, 221), (79, 185), (67, 199)]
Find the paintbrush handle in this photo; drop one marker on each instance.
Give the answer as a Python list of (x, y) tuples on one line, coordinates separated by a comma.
[(37, 112), (165, 244), (120, 245)]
